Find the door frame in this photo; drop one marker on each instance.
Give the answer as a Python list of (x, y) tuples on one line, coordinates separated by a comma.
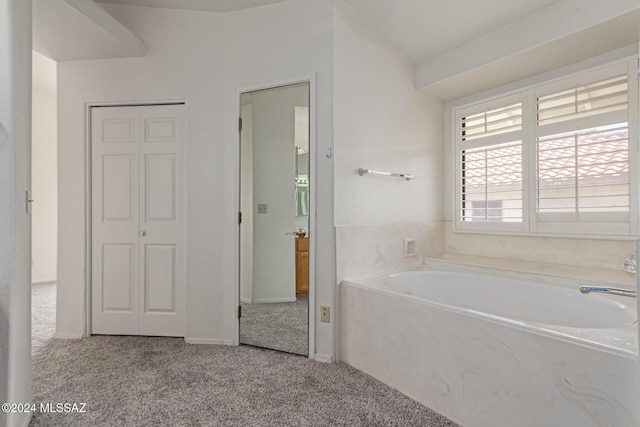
[(311, 80), (89, 196)]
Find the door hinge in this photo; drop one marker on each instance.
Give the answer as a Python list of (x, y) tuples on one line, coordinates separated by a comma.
[(240, 124), (239, 217), (28, 201), (239, 311)]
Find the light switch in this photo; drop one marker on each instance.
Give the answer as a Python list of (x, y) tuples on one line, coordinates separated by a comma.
[(262, 208), (325, 314)]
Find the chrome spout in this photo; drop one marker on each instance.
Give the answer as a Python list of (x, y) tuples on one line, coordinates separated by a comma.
[(606, 290)]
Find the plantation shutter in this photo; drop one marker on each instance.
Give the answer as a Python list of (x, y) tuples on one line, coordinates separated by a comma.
[(490, 155), (582, 137)]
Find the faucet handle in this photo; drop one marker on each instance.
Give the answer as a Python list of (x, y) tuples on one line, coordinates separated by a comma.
[(630, 265)]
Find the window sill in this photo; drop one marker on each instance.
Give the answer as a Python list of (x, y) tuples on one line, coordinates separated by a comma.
[(552, 235)]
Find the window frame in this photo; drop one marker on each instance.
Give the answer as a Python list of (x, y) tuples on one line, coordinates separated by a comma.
[(531, 223)]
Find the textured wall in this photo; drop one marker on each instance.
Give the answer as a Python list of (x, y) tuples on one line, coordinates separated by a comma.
[(15, 223), (585, 252), (44, 147), (382, 123)]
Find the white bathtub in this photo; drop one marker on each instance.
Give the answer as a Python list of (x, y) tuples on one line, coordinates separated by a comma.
[(560, 310), (495, 351)]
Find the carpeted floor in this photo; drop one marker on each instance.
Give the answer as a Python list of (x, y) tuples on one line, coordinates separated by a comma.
[(280, 326), (43, 314), (142, 381)]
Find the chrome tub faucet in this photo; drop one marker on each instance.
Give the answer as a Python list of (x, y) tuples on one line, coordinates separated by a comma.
[(629, 265), (607, 290)]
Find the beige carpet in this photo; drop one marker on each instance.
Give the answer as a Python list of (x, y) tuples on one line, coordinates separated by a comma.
[(43, 314), (282, 326), (141, 381)]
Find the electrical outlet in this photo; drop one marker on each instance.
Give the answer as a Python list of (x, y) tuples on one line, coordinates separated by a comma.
[(262, 208), (325, 314)]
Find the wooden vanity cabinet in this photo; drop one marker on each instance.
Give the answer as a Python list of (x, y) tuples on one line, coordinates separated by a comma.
[(302, 266)]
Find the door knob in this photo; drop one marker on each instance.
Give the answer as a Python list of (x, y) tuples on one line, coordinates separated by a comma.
[(142, 233)]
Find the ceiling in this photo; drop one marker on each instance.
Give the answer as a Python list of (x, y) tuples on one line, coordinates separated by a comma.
[(418, 28), (208, 5), (455, 44), (67, 30), (422, 29), (620, 34)]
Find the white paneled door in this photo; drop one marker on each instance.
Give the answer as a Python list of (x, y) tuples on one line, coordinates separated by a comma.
[(138, 220)]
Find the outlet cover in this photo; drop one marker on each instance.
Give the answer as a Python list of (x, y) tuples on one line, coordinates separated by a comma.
[(409, 248), (325, 314), (262, 208)]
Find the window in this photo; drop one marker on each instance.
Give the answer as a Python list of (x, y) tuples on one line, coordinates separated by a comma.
[(557, 158)]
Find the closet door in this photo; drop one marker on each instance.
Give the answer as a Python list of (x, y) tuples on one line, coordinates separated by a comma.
[(162, 221), (138, 220), (115, 206)]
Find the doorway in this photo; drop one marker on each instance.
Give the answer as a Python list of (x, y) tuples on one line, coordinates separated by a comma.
[(275, 214), (44, 192)]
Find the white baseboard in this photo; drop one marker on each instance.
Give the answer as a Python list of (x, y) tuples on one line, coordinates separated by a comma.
[(207, 341), (274, 300), (27, 421), (68, 336), (245, 300), (44, 281), (324, 358)]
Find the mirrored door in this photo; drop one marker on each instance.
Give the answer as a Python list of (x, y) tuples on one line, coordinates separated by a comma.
[(274, 201)]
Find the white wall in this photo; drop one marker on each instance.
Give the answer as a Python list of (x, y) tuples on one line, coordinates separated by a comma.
[(15, 223), (205, 59), (44, 170), (273, 122), (381, 122)]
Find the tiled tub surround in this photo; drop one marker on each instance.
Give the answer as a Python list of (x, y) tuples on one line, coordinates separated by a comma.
[(482, 370), (602, 253), (372, 249)]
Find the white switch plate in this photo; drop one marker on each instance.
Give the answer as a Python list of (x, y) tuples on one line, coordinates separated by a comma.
[(262, 208)]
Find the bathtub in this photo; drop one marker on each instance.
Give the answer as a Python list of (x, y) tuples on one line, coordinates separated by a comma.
[(493, 351)]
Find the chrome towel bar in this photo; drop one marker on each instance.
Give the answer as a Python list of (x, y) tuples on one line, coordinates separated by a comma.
[(406, 176)]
